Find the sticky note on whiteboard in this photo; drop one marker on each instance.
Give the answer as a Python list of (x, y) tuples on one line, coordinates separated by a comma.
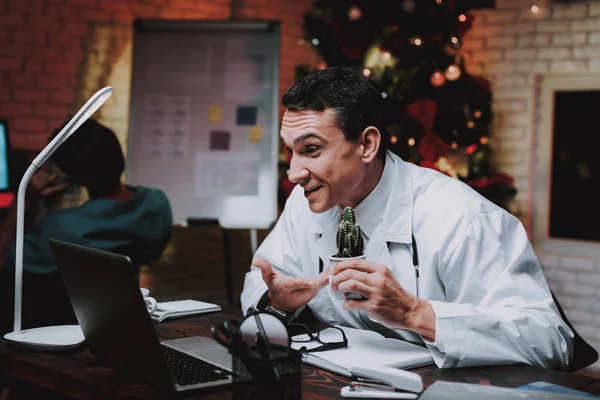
[(255, 134), (246, 115), (214, 114)]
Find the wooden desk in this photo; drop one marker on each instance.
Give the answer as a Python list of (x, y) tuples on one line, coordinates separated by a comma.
[(77, 375)]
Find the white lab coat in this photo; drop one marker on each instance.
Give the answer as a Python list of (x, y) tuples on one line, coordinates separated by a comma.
[(477, 269)]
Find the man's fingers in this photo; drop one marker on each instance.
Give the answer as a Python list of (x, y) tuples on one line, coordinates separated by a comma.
[(54, 189), (353, 285), (323, 279), (357, 264), (350, 304), (265, 268), (349, 274)]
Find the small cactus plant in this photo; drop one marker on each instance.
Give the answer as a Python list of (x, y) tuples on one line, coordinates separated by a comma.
[(349, 236)]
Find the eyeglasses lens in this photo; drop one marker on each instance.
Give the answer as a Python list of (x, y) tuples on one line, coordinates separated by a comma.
[(330, 335)]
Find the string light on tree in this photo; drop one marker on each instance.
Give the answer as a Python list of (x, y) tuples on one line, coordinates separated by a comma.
[(462, 17), (387, 55), (437, 79), (470, 124), (354, 13), (366, 72), (411, 142), (535, 9), (416, 41), (384, 95), (452, 72), (315, 41), (454, 40), (477, 114), (393, 139), (408, 6)]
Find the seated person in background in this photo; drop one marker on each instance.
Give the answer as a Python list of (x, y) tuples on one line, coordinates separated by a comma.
[(480, 297), (134, 221)]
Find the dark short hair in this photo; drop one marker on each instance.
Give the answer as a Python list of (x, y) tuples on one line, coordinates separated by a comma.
[(356, 100), (92, 157)]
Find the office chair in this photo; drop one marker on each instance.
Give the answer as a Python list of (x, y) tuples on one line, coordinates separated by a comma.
[(583, 354)]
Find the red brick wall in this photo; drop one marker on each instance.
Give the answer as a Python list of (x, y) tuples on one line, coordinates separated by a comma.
[(45, 51), (54, 54)]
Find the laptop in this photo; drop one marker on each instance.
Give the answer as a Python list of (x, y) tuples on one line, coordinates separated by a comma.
[(119, 331)]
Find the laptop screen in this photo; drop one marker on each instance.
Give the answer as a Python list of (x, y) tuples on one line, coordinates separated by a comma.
[(4, 184)]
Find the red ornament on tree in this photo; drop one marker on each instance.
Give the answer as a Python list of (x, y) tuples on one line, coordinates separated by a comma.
[(431, 148), (437, 79)]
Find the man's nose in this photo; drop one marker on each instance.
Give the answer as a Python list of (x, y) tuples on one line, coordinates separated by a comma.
[(297, 172)]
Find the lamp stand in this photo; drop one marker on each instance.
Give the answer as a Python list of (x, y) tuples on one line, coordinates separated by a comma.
[(61, 337)]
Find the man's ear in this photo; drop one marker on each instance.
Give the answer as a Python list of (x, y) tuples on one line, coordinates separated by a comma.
[(371, 141)]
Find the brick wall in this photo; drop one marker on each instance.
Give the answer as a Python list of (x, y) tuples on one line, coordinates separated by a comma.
[(510, 45), (54, 54)]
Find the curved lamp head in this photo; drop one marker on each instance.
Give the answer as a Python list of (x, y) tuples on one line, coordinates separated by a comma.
[(82, 115)]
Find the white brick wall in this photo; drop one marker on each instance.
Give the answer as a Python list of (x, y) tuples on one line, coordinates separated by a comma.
[(509, 45)]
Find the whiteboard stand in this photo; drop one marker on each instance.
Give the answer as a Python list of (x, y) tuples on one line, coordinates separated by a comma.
[(225, 231), (253, 242)]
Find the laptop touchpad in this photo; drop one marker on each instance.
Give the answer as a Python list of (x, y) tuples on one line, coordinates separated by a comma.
[(219, 357), (203, 348)]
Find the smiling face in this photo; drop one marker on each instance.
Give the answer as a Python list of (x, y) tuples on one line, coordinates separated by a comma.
[(332, 170)]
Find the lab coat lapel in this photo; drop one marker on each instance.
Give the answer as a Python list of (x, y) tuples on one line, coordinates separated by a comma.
[(395, 227)]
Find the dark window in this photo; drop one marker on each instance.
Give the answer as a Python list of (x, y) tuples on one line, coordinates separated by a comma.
[(575, 178)]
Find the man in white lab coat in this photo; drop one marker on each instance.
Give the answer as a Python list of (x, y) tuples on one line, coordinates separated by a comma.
[(474, 293)]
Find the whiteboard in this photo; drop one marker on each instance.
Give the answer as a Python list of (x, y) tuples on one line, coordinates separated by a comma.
[(204, 118)]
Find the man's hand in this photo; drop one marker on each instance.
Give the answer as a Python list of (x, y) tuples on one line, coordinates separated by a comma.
[(385, 299), (286, 292), (42, 185)]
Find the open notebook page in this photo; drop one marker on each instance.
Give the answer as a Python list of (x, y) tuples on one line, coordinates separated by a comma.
[(368, 348)]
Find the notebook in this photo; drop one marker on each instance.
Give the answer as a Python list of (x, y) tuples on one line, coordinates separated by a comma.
[(182, 308), (368, 347)]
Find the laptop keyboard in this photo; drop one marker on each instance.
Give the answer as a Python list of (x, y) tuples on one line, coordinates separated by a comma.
[(188, 370)]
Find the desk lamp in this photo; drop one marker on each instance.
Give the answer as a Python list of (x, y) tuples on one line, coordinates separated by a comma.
[(59, 337)]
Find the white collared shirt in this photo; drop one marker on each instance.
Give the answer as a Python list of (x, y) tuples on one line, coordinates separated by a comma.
[(369, 212), (477, 268)]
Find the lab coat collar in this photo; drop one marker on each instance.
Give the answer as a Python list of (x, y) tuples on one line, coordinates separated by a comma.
[(396, 225)]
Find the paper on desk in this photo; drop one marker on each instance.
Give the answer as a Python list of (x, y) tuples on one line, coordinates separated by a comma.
[(368, 348)]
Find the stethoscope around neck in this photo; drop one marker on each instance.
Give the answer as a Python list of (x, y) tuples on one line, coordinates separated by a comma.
[(415, 257)]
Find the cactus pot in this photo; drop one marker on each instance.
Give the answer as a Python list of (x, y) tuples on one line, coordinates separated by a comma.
[(337, 295)]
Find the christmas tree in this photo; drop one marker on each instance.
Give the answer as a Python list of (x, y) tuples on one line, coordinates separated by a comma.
[(437, 114)]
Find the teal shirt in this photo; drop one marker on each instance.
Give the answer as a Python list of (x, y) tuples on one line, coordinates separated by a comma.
[(139, 228)]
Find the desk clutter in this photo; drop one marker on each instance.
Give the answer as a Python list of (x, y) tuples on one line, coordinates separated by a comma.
[(182, 308), (265, 366), (366, 345)]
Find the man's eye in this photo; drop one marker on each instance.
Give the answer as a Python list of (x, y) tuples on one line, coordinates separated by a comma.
[(311, 149)]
